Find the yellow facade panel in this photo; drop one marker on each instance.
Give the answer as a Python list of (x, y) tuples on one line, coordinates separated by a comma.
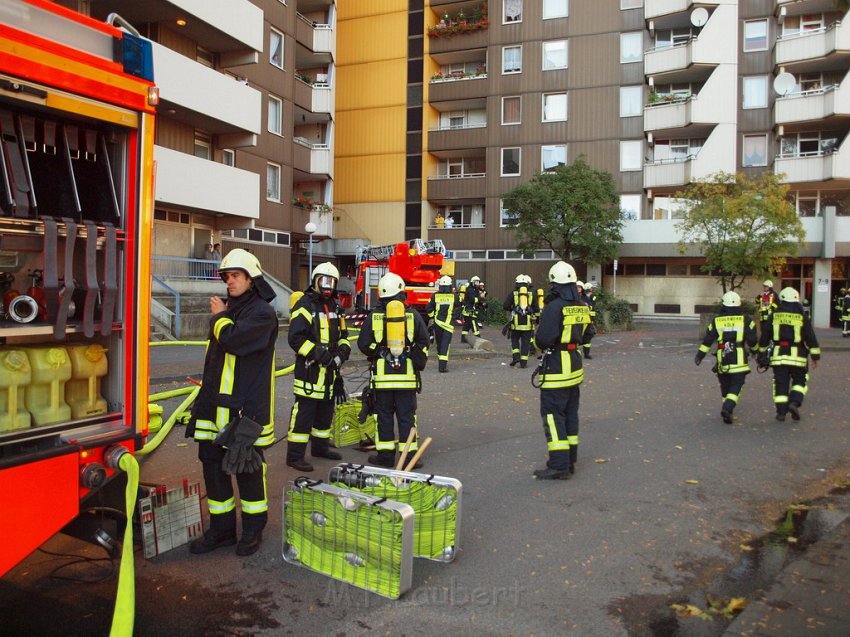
[(382, 37), (377, 222), (375, 178), (376, 131), (372, 85), (352, 9)]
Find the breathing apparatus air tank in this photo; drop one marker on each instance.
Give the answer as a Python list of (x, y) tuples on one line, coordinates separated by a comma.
[(294, 298), (395, 328), (523, 299), (540, 298)]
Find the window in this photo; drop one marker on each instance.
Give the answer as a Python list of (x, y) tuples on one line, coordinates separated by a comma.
[(755, 35), (554, 55), (630, 206), (510, 162), (755, 91), (228, 157), (631, 47), (553, 156), (555, 9), (469, 216), (205, 57), (506, 217), (807, 145), (457, 119), (810, 82), (666, 38), (276, 48), (272, 182), (630, 156), (755, 150), (631, 101), (511, 11), (631, 4), (511, 59), (511, 110), (203, 145), (676, 150), (275, 115), (802, 24), (668, 208), (807, 204), (554, 107)]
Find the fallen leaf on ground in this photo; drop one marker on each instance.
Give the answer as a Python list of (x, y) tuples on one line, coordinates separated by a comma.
[(692, 481), (689, 610), (600, 460)]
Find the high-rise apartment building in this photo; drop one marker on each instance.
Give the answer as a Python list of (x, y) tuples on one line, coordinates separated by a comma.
[(448, 105)]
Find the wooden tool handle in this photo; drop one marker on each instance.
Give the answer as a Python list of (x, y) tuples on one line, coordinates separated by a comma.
[(406, 449), (418, 455)]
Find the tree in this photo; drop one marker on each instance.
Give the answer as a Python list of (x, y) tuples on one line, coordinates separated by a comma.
[(574, 210), (742, 226)]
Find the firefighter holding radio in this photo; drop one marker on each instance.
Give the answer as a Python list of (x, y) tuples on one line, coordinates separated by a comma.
[(395, 340), (732, 330), (560, 335), (318, 334)]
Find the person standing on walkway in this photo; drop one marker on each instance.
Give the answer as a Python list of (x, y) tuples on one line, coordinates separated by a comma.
[(319, 337), (845, 314), (590, 299), (767, 301), (838, 305), (732, 331), (238, 382), (787, 341), (522, 306), (560, 334), (443, 308), (474, 302), (396, 358)]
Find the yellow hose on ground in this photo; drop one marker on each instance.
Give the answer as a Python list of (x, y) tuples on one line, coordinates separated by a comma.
[(124, 615)]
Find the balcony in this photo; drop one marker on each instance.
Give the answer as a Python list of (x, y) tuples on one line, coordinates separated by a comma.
[(668, 117), (657, 8), (316, 97), (815, 168), (204, 98), (821, 104), (451, 188), (314, 159), (817, 50), (796, 7), (233, 29), (716, 154), (317, 37), (457, 138), (457, 87), (460, 42), (186, 180)]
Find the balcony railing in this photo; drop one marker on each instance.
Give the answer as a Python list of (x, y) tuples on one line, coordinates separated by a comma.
[(455, 226), (178, 268), (461, 176), (463, 127), (455, 77)]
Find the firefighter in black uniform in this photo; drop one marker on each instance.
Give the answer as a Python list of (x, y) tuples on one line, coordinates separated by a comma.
[(590, 299), (238, 380), (560, 335), (787, 341), (838, 305), (767, 301), (523, 308), (731, 330), (443, 309), (845, 314), (319, 337), (474, 302), (395, 369)]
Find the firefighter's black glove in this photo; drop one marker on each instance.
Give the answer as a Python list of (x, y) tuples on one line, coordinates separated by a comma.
[(323, 356), (340, 396), (344, 352), (763, 360), (335, 363), (418, 357), (241, 457), (368, 407), (698, 358)]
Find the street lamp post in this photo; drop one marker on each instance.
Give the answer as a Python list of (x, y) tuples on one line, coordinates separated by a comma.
[(310, 229)]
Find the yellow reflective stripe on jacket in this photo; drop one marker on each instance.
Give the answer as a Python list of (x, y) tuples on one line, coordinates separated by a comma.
[(228, 377), (573, 315), (306, 348), (220, 324)]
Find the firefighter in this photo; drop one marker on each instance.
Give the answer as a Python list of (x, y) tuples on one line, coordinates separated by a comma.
[(560, 335), (787, 341), (396, 360), (474, 302), (238, 381), (845, 314), (523, 307), (838, 305), (732, 330), (319, 337), (766, 301), (443, 310)]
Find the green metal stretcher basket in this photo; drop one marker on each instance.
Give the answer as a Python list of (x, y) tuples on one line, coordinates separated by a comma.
[(350, 536), (436, 500)]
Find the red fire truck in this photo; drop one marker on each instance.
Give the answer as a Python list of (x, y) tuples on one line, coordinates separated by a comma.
[(77, 104), (420, 263)]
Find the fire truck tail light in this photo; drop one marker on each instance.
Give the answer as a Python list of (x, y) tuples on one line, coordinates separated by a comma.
[(153, 96)]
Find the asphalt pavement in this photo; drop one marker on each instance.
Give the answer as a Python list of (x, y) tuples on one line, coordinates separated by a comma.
[(672, 521)]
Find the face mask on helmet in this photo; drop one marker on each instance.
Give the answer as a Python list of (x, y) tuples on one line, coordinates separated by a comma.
[(325, 284)]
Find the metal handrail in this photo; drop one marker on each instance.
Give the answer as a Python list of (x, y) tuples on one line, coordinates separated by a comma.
[(180, 268), (461, 176), (175, 327)]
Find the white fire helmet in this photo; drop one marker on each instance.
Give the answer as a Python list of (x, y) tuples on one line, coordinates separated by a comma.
[(731, 299), (790, 295), (390, 285), (562, 272), (239, 259)]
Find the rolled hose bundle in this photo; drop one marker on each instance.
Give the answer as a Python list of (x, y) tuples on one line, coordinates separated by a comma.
[(349, 541), (346, 429), (435, 508)]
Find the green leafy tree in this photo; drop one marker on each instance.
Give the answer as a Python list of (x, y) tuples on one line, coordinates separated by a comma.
[(742, 226), (574, 210)]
